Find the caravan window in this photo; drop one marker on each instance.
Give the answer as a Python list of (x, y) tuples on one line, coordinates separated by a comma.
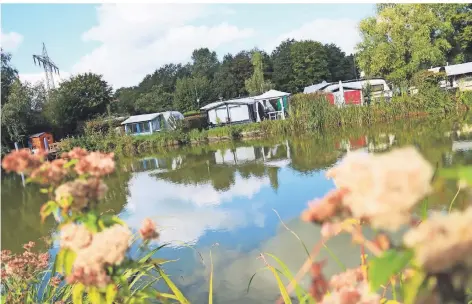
[(377, 88)]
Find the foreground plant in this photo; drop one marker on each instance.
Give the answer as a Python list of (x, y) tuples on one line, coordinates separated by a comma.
[(94, 254), (433, 264)]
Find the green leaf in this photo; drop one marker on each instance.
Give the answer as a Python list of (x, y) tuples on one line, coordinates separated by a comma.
[(382, 268), (59, 261), (94, 295), (71, 163), (174, 288), (146, 258), (412, 286), (44, 190), (69, 259), (111, 292), (91, 221), (110, 220), (47, 209), (77, 293)]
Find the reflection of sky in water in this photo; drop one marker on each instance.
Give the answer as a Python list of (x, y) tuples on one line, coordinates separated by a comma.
[(240, 219)]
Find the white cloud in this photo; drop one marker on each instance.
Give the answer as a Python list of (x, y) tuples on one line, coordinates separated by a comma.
[(10, 41), (343, 32), (34, 78), (186, 212), (137, 39)]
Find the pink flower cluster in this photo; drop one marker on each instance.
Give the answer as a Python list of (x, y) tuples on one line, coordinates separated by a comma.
[(23, 266), (350, 287), (95, 252), (443, 241), (381, 189), (22, 161), (81, 191), (148, 230), (50, 172), (96, 164)]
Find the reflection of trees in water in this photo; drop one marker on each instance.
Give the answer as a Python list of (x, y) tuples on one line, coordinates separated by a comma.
[(203, 169), (310, 155), (273, 173), (20, 214), (21, 222)]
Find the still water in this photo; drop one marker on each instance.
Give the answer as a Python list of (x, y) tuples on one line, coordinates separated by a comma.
[(224, 198)]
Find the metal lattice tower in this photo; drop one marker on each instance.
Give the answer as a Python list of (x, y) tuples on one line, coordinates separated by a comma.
[(48, 66)]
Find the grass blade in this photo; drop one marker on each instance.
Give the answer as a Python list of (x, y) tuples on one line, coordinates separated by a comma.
[(286, 272), (293, 232), (210, 289), (174, 288)]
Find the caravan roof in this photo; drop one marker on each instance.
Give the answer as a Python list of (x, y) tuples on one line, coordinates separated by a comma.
[(216, 104)]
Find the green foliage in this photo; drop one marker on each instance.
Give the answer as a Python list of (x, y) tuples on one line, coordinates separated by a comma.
[(190, 89), (9, 75), (390, 263), (405, 38), (79, 98), (256, 84), (157, 100), (205, 63), (309, 63)]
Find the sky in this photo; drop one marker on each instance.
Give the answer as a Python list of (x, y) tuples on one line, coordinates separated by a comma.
[(125, 42)]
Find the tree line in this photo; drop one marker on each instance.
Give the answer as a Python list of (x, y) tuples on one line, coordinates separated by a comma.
[(186, 87), (400, 40)]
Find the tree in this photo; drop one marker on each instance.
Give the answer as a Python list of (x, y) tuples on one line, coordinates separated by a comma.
[(9, 75), (124, 100), (17, 114), (256, 84), (340, 66), (205, 63), (77, 99), (191, 93), (283, 69), (231, 75), (158, 100), (405, 38), (309, 63)]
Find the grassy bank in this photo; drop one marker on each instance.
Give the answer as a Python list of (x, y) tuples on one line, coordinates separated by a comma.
[(308, 113)]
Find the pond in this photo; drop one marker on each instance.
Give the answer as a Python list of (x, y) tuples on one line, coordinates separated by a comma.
[(228, 197)]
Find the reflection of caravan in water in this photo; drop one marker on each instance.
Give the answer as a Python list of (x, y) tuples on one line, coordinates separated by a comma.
[(156, 165), (384, 142), (276, 156)]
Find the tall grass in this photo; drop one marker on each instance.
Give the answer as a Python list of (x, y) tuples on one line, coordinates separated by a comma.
[(308, 113)]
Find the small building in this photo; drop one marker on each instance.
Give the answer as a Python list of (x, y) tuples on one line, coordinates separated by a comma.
[(40, 141), (233, 111), (459, 76), (150, 123)]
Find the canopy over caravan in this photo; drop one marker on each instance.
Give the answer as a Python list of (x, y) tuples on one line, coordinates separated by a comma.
[(233, 111), (150, 123), (273, 103), (270, 105)]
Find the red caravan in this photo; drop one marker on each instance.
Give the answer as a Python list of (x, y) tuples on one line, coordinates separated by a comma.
[(350, 92)]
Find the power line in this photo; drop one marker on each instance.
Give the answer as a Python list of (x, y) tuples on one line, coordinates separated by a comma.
[(49, 67)]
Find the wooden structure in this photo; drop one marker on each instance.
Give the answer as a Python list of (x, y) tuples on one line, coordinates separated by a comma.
[(41, 141)]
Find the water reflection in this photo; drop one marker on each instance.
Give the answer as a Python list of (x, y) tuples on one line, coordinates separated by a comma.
[(225, 193)]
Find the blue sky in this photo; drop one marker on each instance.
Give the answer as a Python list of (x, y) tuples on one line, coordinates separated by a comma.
[(126, 42)]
